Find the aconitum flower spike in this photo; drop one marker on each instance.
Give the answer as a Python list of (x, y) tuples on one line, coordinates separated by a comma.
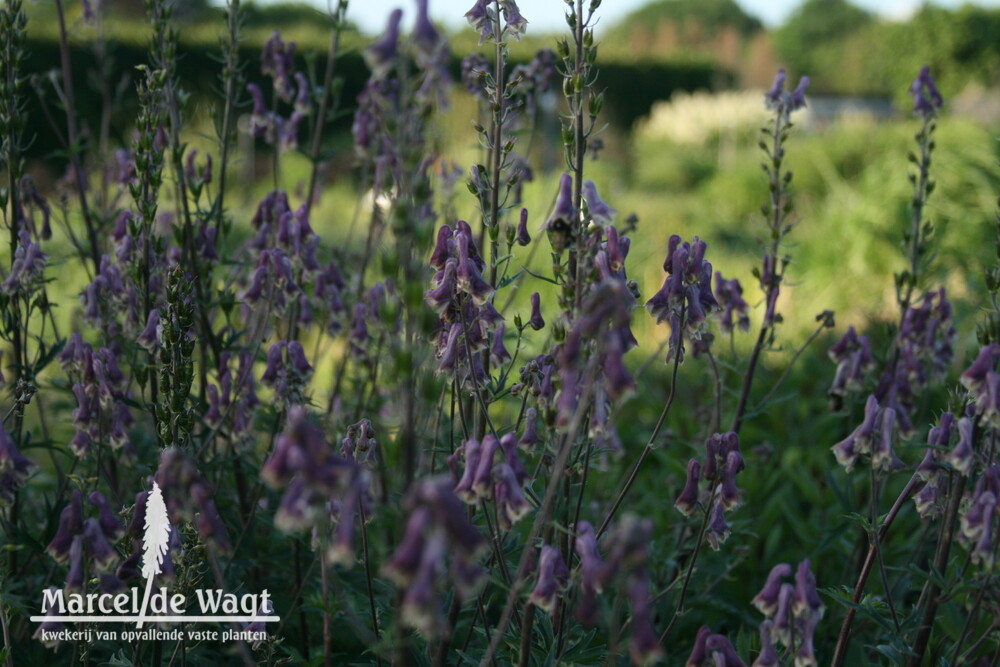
[(523, 237), (687, 501), (767, 600), (926, 97), (536, 322), (962, 456), (553, 578)]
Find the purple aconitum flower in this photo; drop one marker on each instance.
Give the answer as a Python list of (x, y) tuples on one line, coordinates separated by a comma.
[(783, 620), (516, 24), (699, 653), (687, 501), (511, 503), (381, 55), (767, 600), (482, 18), (927, 99), (553, 579), (263, 124), (686, 294), (729, 494), (962, 456), (722, 652), (560, 225), (884, 455), (730, 296), (768, 654), (150, 337), (718, 528), (278, 62), (109, 523), (70, 525), (483, 476), (783, 101), (421, 609), (529, 438), (644, 648), (974, 376), (14, 468), (99, 548), (471, 450), (508, 445), (854, 359), (498, 352), (600, 212), (402, 566), (807, 600), (859, 442), (470, 280)]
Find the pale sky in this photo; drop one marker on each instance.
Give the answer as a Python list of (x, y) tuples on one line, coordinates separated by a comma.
[(547, 15)]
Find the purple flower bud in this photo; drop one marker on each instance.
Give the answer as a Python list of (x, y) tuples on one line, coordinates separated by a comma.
[(767, 600), (470, 280), (536, 322), (687, 501), (962, 456), (926, 97), (592, 568), (380, 56), (553, 578), (508, 444), (730, 495), (425, 35), (798, 98), (523, 237)]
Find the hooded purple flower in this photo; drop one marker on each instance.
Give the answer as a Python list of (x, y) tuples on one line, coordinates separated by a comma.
[(926, 97), (553, 578), (560, 226), (767, 600), (600, 211), (687, 501)]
